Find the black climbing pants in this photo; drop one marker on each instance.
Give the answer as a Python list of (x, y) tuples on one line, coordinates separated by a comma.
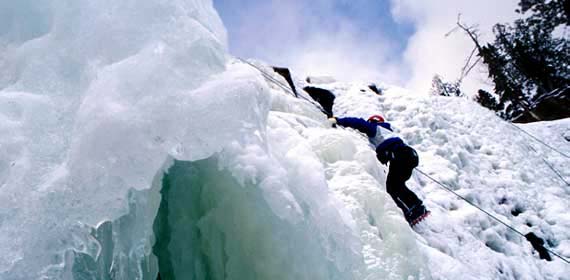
[(401, 166)]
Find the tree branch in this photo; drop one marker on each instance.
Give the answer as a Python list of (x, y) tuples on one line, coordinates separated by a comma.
[(469, 30)]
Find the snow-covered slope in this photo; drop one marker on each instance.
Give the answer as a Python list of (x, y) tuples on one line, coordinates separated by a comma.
[(491, 163), (133, 144)]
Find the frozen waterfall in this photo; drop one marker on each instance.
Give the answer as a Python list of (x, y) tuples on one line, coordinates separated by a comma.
[(134, 145), (103, 104)]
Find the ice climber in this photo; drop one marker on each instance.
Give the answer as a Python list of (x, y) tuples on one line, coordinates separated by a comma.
[(402, 158)]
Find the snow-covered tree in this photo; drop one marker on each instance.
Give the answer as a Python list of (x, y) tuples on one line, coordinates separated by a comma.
[(528, 62), (440, 87)]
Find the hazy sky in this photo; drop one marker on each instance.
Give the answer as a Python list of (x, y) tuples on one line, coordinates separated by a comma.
[(394, 41)]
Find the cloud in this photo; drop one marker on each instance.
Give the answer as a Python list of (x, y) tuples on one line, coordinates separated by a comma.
[(429, 52), (394, 41), (321, 37), (348, 55)]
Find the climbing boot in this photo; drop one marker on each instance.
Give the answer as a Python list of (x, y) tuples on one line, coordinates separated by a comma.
[(416, 214)]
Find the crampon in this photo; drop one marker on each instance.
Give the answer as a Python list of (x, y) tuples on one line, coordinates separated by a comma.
[(419, 219)]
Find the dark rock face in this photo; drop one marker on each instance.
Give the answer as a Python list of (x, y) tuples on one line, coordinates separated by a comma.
[(553, 107), (323, 97), (285, 73)]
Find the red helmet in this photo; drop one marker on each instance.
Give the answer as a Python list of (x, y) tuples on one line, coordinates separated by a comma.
[(376, 118)]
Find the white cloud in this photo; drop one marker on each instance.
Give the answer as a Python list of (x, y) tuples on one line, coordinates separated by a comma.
[(319, 37), (347, 55), (429, 51), (315, 37)]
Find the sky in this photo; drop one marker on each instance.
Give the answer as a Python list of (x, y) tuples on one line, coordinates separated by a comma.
[(400, 42)]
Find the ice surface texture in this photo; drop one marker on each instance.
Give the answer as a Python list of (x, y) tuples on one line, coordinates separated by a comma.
[(132, 144), (93, 97), (493, 165), (97, 99)]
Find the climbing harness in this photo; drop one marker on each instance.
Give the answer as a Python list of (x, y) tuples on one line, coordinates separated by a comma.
[(281, 85), (531, 237)]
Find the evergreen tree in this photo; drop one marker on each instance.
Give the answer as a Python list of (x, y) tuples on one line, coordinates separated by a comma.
[(487, 100), (525, 61), (439, 87)]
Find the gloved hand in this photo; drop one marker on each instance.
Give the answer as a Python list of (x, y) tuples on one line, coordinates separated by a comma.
[(332, 121), (384, 156)]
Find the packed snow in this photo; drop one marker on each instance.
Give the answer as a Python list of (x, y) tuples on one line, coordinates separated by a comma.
[(134, 144), (492, 164)]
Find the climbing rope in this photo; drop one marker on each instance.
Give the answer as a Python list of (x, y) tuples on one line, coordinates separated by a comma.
[(488, 214), (268, 76), (556, 171), (286, 88), (281, 85), (549, 165), (289, 90), (540, 141)]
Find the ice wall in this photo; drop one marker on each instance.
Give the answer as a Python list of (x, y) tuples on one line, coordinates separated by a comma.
[(492, 164), (211, 226), (99, 99), (132, 145), (93, 97)]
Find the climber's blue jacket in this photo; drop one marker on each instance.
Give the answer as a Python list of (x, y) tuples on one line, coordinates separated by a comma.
[(380, 135)]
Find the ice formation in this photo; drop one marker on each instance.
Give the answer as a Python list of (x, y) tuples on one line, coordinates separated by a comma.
[(133, 144), (491, 163), (98, 101)]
